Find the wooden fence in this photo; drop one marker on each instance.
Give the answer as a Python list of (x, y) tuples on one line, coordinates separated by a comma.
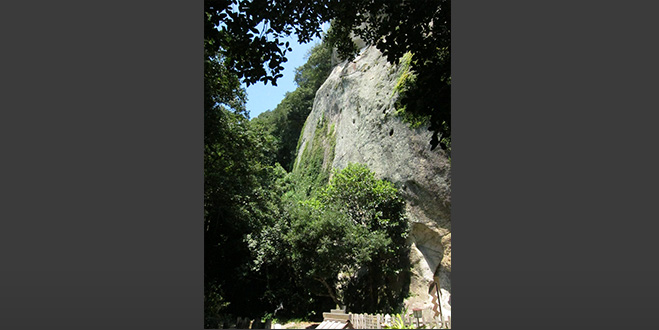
[(367, 321), (379, 321)]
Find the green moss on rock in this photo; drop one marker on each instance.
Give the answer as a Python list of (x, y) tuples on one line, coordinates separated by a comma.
[(313, 169), (406, 81)]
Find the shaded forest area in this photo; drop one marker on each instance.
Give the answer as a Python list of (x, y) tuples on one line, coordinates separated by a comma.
[(286, 242)]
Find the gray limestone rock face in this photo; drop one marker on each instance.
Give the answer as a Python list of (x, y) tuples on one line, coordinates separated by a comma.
[(358, 100)]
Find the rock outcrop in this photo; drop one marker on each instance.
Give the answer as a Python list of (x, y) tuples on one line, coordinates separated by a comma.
[(355, 108)]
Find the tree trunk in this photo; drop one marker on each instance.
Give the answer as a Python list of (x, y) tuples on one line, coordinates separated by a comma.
[(329, 290), (370, 286)]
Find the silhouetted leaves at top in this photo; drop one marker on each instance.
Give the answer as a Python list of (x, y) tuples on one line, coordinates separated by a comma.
[(247, 34)]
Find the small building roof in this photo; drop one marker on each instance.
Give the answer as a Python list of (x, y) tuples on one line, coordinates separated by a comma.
[(334, 324)]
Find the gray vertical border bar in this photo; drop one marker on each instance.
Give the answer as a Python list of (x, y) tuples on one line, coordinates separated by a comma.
[(554, 165), (102, 165)]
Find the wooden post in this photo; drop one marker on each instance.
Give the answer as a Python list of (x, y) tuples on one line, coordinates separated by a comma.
[(439, 297)]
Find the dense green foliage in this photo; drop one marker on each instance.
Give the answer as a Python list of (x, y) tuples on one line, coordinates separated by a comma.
[(346, 243), (243, 189), (241, 194), (376, 205), (248, 33)]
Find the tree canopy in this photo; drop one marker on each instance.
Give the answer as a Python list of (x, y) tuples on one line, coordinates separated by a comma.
[(351, 236), (248, 33)]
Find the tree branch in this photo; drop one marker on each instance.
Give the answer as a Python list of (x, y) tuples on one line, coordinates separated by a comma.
[(329, 290)]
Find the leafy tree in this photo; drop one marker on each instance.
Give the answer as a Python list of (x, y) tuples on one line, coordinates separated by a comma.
[(376, 205), (241, 192), (214, 304), (312, 74), (242, 195), (248, 33), (326, 243), (349, 241)]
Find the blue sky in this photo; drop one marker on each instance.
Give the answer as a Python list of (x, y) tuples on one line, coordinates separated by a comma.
[(260, 97)]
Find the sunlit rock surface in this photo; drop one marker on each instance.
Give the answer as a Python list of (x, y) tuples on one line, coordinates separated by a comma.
[(357, 100)]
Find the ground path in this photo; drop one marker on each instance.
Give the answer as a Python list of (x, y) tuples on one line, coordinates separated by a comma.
[(300, 325)]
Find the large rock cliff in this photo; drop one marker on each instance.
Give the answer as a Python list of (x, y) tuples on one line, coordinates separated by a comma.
[(354, 120)]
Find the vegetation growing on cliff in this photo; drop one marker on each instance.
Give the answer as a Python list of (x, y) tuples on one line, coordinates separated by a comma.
[(312, 171), (405, 83), (286, 121), (407, 103)]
